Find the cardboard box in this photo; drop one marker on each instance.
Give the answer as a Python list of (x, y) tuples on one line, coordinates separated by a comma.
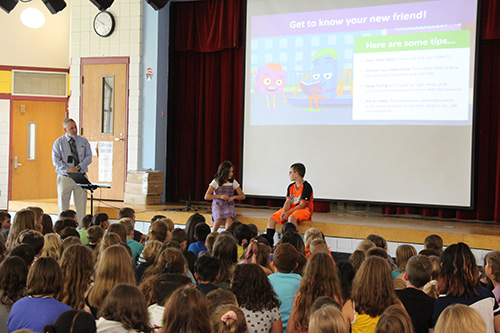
[(144, 188), (145, 177), (142, 199)]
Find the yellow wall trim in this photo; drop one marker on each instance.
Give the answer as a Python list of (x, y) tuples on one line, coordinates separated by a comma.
[(5, 82)]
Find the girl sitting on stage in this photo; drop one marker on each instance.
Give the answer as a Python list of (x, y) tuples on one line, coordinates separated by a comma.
[(222, 193)]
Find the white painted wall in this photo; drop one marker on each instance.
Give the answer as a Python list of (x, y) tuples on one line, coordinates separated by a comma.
[(4, 151), (44, 47), (126, 41)]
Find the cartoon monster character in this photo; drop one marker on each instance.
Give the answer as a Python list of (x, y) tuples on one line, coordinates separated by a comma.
[(321, 82), (269, 80)]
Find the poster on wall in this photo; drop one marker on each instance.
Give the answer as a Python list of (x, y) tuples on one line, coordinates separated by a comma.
[(106, 161)]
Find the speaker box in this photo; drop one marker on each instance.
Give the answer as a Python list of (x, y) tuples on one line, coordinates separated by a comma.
[(157, 4), (102, 4), (8, 5), (54, 6)]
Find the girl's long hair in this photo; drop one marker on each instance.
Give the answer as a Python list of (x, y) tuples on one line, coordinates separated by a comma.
[(78, 267), (320, 279), (222, 174), (186, 311), (114, 267), (372, 288), (51, 246), (459, 272), (253, 289), (127, 305), (170, 260), (13, 277), (24, 219), (226, 250)]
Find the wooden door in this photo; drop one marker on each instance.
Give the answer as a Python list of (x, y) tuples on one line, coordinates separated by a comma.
[(103, 123), (35, 127)]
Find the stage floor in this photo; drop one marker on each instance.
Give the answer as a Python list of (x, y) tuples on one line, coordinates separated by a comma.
[(341, 225)]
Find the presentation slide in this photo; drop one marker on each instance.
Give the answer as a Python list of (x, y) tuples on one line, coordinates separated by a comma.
[(375, 98)]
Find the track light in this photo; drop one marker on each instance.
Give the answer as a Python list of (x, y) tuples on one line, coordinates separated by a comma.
[(54, 6), (8, 5), (102, 4), (157, 4)]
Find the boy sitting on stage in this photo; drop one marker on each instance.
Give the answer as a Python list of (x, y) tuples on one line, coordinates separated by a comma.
[(299, 202)]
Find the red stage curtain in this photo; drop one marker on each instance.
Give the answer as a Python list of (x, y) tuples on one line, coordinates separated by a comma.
[(205, 94), (205, 105)]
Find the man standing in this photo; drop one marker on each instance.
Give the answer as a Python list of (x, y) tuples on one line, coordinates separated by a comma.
[(71, 153)]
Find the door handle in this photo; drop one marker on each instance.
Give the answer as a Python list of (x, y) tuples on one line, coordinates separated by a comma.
[(119, 139), (16, 164)]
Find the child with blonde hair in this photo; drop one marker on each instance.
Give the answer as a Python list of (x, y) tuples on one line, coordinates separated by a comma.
[(403, 254), (228, 318), (492, 271), (51, 246), (328, 319), (310, 235)]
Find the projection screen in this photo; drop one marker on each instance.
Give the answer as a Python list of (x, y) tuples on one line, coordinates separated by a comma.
[(374, 97)]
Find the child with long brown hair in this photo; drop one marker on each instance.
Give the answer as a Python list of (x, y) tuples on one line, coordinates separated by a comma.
[(224, 190), (114, 267), (256, 298), (78, 267), (320, 279), (124, 310), (459, 283), (23, 219), (170, 260), (372, 292), (40, 307), (226, 250), (13, 275), (186, 312)]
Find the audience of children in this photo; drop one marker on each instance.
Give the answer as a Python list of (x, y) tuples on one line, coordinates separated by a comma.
[(283, 300)]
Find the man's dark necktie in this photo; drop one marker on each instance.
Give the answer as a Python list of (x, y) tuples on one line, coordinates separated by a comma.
[(72, 145)]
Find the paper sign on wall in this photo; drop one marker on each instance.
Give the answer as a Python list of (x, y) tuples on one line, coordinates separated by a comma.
[(106, 161), (93, 147)]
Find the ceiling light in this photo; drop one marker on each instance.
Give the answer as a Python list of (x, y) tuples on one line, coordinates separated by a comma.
[(32, 18)]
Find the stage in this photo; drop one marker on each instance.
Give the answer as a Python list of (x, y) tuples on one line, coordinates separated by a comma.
[(345, 226)]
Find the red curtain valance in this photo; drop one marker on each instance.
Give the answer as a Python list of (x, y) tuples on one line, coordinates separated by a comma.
[(208, 26)]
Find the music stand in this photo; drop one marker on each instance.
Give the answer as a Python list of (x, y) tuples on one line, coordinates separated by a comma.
[(84, 183)]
